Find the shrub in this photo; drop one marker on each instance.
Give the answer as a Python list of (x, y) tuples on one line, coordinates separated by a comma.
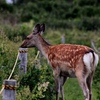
[(40, 82), (87, 23), (18, 32)]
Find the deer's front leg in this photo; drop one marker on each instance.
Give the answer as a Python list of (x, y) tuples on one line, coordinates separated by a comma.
[(57, 81), (62, 82)]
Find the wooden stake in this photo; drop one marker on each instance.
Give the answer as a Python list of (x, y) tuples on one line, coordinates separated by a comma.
[(9, 92)]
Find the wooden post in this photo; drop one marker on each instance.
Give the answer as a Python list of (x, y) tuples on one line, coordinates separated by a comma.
[(23, 60), (9, 92), (63, 39)]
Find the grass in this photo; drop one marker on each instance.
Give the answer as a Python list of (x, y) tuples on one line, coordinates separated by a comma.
[(73, 91)]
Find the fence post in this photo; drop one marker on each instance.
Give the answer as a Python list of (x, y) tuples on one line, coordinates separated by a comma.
[(63, 38), (9, 92), (23, 60)]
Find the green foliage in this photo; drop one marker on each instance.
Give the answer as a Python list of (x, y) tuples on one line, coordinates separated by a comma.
[(87, 13), (38, 93), (40, 82), (18, 32), (72, 13), (97, 80), (86, 23), (6, 7), (89, 2), (8, 53), (29, 80)]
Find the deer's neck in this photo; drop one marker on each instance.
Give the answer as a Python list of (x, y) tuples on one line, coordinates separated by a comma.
[(42, 45)]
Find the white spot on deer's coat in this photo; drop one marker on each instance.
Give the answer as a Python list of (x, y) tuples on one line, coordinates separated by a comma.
[(88, 59)]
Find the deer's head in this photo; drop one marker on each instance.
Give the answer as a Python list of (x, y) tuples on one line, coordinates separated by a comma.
[(30, 41)]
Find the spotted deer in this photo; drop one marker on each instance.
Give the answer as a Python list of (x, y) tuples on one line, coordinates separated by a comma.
[(66, 60)]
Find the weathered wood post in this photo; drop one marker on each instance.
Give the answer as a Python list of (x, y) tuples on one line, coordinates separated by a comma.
[(23, 60), (9, 92), (63, 38)]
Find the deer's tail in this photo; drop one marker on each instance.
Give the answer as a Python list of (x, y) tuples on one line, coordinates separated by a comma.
[(91, 60)]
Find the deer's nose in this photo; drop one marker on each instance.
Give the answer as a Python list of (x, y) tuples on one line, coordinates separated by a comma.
[(24, 44)]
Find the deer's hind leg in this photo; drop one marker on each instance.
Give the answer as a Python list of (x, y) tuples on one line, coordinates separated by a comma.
[(89, 84), (82, 81), (84, 87)]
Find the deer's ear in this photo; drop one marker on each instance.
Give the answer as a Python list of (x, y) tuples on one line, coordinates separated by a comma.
[(36, 29), (42, 28)]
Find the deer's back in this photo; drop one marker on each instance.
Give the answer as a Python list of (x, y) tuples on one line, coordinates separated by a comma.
[(67, 54)]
